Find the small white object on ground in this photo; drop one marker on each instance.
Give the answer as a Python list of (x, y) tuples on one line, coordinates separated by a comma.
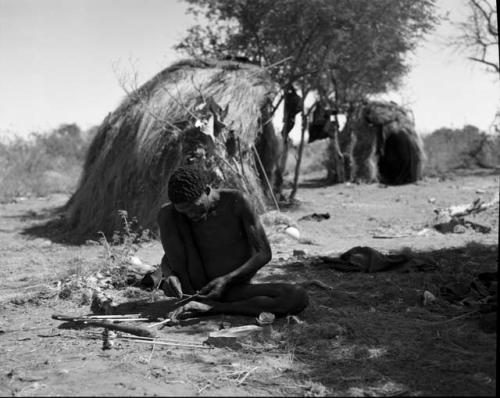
[(293, 232), (424, 231), (428, 297), (134, 260), (265, 318), (293, 319), (139, 265)]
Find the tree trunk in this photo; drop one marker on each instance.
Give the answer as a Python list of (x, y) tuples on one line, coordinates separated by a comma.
[(288, 123), (280, 169), (336, 171), (299, 156)]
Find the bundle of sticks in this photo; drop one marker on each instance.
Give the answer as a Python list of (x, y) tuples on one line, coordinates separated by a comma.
[(138, 333), (111, 322), (133, 333)]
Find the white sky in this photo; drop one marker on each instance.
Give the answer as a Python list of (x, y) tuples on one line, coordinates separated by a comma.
[(58, 60)]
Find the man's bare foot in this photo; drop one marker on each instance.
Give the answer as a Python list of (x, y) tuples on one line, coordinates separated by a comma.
[(191, 308)]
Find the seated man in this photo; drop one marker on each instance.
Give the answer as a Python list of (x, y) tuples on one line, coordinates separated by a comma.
[(214, 244)]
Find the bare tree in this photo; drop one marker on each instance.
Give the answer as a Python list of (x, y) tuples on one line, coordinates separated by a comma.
[(479, 34)]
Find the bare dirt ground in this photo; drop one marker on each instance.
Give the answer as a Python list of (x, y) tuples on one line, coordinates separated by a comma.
[(370, 334)]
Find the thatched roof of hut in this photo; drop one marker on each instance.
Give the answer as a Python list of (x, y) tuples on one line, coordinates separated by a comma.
[(152, 132)]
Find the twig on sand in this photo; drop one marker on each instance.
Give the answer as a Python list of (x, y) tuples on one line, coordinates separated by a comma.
[(398, 393), (151, 355), (278, 62), (204, 387), (381, 236), (467, 314), (166, 342), (242, 380), (457, 350), (180, 341), (320, 284)]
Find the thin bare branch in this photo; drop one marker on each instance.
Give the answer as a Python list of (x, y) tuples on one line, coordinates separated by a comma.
[(487, 63)]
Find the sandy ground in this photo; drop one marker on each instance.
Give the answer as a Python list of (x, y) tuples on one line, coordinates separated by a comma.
[(369, 335)]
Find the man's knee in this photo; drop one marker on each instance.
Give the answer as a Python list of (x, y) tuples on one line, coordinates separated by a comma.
[(294, 299)]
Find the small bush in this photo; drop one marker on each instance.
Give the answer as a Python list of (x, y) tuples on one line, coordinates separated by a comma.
[(42, 164), (467, 148)]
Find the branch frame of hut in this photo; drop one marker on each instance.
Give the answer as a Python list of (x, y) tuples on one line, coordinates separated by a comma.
[(379, 143), (211, 114)]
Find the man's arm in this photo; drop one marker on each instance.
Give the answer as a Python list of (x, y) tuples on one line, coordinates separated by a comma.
[(257, 240), (174, 249)]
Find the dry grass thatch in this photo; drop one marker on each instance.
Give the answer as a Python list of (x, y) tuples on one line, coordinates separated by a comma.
[(152, 132), (383, 145)]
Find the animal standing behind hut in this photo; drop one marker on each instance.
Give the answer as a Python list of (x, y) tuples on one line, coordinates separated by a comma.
[(212, 114), (379, 143)]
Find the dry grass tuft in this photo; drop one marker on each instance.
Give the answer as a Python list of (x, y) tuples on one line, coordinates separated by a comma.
[(42, 164), (113, 273)]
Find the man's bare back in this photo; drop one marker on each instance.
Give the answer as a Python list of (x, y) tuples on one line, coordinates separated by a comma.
[(214, 244)]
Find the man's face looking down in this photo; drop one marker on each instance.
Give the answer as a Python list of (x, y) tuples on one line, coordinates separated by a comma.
[(196, 210)]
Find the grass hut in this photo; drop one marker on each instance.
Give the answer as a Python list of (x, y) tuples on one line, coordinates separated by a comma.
[(382, 145), (209, 113)]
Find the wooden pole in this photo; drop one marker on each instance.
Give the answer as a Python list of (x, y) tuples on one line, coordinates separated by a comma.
[(299, 155)]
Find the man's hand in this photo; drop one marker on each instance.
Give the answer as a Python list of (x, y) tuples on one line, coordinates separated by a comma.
[(193, 307), (214, 289), (171, 286)]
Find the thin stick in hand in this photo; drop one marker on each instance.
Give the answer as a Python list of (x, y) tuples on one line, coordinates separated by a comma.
[(112, 316), (188, 298), (159, 323)]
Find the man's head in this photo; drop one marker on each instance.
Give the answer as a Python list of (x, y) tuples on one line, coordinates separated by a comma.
[(189, 193)]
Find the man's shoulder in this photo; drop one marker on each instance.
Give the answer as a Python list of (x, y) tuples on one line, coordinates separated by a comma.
[(165, 210), (237, 200), (168, 206), (230, 193), (234, 197)]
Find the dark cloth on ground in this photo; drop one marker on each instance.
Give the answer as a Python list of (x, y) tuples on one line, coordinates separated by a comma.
[(367, 259), (315, 217), (453, 225), (481, 295), (481, 292)]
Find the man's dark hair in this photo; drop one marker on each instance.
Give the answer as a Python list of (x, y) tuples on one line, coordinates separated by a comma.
[(186, 185)]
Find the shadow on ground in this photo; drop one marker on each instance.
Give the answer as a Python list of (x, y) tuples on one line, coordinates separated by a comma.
[(314, 183), (375, 334), (48, 223), (55, 230), (397, 332), (51, 224)]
